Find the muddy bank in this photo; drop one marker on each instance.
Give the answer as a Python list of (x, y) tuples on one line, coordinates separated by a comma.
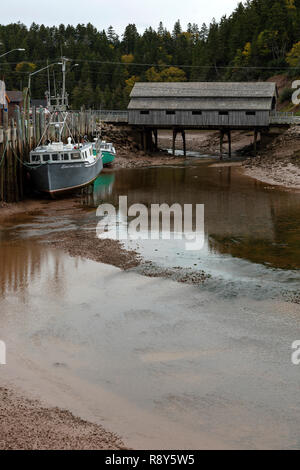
[(140, 160), (129, 151), (206, 142), (86, 245), (26, 425), (279, 163), (31, 207), (10, 209)]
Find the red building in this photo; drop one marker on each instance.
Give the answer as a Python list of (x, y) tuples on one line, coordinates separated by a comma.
[(15, 99)]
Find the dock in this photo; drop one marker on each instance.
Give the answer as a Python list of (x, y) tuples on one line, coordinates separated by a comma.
[(18, 138)]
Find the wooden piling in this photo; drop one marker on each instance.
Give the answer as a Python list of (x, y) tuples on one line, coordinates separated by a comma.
[(221, 144), (229, 143), (155, 133), (174, 141), (255, 143), (184, 142)]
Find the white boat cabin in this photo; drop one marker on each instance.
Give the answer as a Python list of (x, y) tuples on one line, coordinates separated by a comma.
[(57, 152), (107, 147)]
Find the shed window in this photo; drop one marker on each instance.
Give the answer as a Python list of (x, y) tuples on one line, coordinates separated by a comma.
[(223, 113), (46, 158), (145, 112), (250, 113), (197, 113), (55, 157), (35, 158), (65, 156), (170, 113)]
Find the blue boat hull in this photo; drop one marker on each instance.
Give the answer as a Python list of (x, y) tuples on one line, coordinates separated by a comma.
[(57, 177)]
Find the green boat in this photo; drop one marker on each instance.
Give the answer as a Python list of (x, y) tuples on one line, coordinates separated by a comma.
[(108, 153)]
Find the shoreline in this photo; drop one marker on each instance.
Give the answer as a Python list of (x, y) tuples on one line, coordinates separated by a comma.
[(278, 164), (282, 177), (28, 425)]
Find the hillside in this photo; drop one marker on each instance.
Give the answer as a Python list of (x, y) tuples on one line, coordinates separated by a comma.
[(285, 90)]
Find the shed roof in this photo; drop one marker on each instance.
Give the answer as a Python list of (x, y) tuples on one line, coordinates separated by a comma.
[(205, 90), (203, 96)]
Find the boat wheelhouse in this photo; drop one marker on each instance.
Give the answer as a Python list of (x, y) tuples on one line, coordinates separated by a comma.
[(108, 152)]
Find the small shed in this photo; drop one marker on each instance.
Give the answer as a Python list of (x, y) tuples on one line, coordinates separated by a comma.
[(3, 109), (39, 103), (219, 105)]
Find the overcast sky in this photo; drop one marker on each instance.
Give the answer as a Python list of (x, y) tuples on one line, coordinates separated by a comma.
[(117, 13)]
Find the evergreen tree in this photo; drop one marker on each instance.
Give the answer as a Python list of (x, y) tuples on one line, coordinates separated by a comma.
[(258, 39)]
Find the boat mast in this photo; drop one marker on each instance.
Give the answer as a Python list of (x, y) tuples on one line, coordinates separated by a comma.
[(64, 66)]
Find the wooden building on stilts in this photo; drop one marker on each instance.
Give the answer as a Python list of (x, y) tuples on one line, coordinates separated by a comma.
[(186, 106)]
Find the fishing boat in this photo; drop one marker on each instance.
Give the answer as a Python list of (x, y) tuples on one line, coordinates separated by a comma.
[(54, 166), (57, 167), (108, 153)]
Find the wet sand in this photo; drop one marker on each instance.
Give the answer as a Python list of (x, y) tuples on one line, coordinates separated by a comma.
[(167, 367), (26, 425)]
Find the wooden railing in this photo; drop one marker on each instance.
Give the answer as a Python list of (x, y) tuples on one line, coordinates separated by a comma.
[(278, 117), (112, 116), (119, 116)]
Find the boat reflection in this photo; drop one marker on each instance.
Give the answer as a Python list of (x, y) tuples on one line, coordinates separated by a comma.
[(99, 191)]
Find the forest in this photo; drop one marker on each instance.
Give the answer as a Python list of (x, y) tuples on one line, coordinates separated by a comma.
[(261, 38)]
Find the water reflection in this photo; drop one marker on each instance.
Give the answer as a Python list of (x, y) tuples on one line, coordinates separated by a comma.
[(243, 218), (22, 264), (99, 191)]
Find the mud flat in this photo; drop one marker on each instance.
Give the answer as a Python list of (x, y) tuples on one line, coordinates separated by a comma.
[(86, 245), (279, 163)]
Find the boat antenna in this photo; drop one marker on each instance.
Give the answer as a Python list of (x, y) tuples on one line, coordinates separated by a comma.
[(54, 83), (49, 84), (101, 120)]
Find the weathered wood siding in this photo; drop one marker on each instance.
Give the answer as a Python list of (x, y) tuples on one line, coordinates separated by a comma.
[(206, 119)]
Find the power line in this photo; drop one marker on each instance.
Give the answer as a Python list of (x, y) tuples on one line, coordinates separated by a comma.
[(137, 64), (186, 66)]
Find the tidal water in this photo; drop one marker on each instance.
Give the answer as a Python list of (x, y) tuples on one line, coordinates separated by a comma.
[(164, 364)]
